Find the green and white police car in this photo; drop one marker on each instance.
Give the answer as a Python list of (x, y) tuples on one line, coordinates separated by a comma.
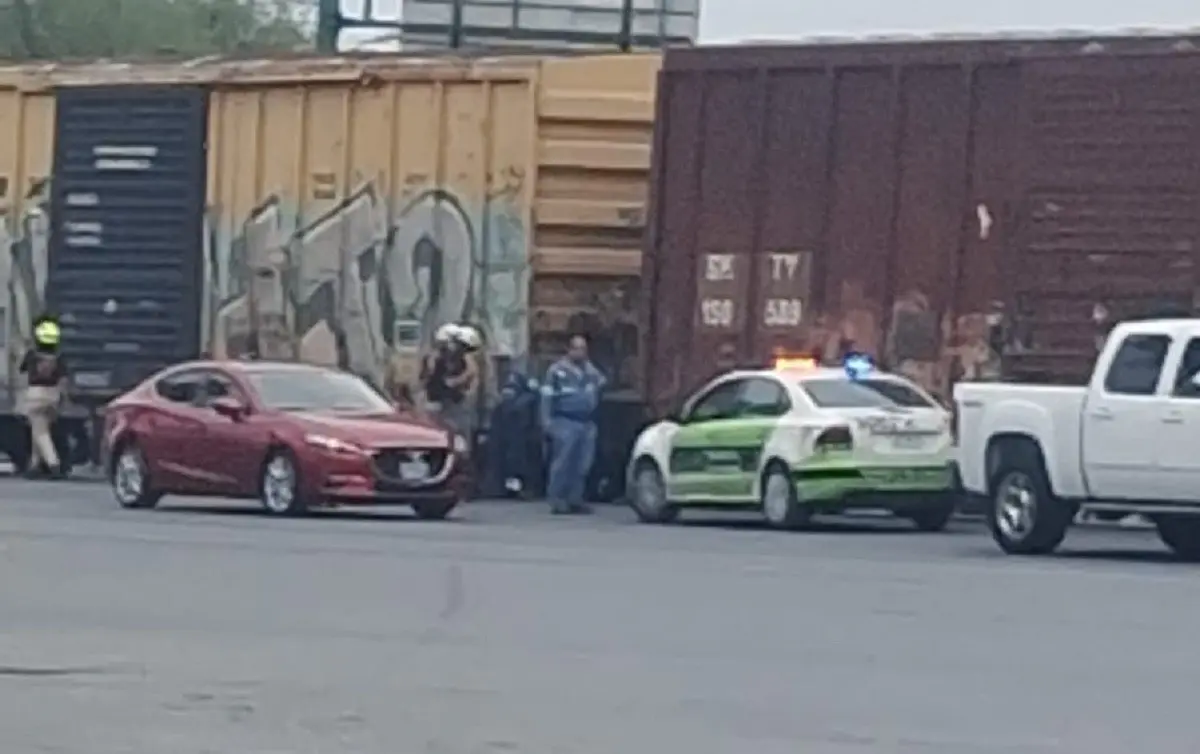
[(798, 441)]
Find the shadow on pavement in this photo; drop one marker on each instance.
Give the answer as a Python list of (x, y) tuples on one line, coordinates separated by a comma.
[(1124, 555), (393, 514), (880, 525), (1149, 555)]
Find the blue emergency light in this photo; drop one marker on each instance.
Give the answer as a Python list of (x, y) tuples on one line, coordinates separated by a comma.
[(858, 365)]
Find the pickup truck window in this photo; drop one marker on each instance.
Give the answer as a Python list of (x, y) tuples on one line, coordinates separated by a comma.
[(1137, 364), (1188, 368), (863, 394)]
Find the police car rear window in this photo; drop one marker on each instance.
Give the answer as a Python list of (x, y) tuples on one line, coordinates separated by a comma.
[(864, 393)]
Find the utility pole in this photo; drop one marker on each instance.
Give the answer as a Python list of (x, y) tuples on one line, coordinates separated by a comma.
[(329, 23), (456, 24), (27, 29), (625, 39)]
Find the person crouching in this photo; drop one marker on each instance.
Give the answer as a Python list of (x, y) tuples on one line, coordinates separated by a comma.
[(45, 372)]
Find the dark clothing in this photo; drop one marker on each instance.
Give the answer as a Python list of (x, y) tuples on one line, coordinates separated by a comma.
[(446, 365), (45, 368), (514, 441)]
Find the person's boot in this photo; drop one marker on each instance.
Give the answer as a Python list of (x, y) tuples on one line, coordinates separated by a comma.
[(58, 473), (582, 509)]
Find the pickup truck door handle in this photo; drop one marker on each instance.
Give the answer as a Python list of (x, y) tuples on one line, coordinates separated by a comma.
[(1103, 414), (1173, 417)]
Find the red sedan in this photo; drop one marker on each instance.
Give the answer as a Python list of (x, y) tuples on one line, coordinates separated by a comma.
[(294, 436)]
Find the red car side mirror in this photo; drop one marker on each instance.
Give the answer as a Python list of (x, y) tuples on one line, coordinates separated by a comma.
[(230, 408)]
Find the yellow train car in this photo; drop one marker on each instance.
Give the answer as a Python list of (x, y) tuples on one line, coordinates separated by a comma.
[(345, 206)]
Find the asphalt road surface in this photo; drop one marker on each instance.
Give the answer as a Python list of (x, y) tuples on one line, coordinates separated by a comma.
[(210, 630)]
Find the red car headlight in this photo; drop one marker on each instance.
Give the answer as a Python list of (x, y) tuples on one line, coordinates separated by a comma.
[(335, 446)]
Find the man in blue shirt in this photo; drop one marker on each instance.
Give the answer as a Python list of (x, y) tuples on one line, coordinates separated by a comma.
[(570, 396)]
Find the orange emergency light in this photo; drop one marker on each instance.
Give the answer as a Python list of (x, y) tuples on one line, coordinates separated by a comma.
[(795, 363)]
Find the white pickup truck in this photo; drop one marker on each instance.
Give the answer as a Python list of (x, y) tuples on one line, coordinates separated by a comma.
[(1129, 442)]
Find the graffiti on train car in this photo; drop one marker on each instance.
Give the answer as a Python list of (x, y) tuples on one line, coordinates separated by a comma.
[(364, 283), (25, 243)]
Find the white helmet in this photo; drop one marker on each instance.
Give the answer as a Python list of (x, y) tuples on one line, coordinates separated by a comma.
[(446, 333), (469, 337)]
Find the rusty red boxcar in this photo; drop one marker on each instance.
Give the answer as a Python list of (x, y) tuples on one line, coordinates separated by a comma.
[(962, 209)]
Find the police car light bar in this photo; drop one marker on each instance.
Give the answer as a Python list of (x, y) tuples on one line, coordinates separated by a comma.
[(795, 363), (858, 365)]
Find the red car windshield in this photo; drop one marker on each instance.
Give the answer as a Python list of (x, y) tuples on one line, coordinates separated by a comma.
[(302, 390)]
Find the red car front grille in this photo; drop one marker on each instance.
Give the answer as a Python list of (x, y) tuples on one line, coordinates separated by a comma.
[(390, 464)]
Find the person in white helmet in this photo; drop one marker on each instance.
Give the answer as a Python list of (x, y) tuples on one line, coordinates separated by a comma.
[(448, 375)]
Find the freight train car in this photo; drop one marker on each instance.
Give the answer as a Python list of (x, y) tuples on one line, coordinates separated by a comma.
[(960, 209), (334, 210)]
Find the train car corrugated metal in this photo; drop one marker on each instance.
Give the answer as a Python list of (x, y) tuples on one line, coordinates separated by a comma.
[(26, 157), (353, 208), (962, 210)]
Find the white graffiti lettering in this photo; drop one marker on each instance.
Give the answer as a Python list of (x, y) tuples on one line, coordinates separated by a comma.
[(363, 287)]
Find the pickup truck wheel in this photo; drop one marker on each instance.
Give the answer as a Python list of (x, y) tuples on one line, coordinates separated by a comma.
[(1181, 534), (1025, 517)]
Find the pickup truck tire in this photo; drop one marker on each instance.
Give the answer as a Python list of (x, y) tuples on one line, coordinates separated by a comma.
[(1181, 534), (1025, 517)]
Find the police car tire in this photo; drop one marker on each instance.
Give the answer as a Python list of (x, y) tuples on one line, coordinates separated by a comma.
[(647, 472), (796, 514)]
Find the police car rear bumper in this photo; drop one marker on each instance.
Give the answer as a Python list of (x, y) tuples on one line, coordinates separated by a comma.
[(849, 485)]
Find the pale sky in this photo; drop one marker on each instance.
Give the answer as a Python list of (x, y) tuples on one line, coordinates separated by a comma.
[(741, 20), (736, 20)]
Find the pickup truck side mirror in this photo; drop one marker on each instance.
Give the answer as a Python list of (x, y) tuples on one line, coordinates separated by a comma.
[(1194, 380)]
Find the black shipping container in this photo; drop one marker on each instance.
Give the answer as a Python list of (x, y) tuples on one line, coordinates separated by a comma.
[(127, 212)]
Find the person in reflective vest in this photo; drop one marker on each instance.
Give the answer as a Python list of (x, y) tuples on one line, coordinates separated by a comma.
[(45, 372), (570, 397)]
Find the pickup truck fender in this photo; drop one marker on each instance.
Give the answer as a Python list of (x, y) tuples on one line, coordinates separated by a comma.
[(1058, 441)]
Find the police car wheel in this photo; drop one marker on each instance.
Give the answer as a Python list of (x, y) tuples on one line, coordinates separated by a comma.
[(781, 504), (649, 495)]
